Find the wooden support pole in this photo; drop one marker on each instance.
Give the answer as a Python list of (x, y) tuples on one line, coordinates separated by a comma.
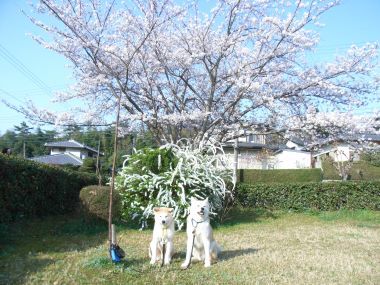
[(113, 236), (112, 187)]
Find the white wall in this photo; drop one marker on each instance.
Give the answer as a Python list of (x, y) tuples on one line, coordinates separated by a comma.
[(245, 161), (74, 151), (292, 159), (255, 159), (287, 159), (341, 153)]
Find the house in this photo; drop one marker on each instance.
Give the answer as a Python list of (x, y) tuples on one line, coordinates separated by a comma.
[(255, 151), (258, 151), (341, 151), (67, 152), (293, 155)]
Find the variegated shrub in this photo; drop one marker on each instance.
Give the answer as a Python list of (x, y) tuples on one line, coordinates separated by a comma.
[(170, 176)]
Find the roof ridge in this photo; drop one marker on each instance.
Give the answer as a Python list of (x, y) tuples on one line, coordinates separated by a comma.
[(73, 156)]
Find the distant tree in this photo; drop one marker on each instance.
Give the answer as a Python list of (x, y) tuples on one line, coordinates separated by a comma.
[(145, 139), (72, 132), (23, 134), (37, 140), (23, 130), (50, 135), (89, 165)]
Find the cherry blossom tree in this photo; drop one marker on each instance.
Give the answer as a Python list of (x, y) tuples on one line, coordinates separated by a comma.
[(197, 71)]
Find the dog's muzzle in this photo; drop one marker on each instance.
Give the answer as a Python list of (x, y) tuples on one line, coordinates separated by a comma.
[(202, 211)]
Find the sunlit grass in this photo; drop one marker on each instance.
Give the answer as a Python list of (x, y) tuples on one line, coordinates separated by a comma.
[(259, 247)]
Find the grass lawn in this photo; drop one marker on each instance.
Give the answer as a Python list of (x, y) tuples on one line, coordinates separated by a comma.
[(259, 247)]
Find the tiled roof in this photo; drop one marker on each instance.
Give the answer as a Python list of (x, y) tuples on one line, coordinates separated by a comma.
[(72, 144), (58, 159), (298, 141), (371, 137)]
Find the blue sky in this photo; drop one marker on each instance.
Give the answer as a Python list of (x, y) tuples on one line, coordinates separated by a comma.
[(43, 71)]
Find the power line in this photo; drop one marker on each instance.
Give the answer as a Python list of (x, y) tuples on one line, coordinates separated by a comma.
[(4, 53), (10, 95), (38, 91)]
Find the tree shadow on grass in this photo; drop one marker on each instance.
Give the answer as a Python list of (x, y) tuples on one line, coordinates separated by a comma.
[(23, 243), (128, 263), (53, 234), (224, 255), (16, 271), (240, 215), (229, 254)]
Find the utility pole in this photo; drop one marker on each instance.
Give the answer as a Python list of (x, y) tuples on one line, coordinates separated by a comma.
[(133, 142), (23, 147), (236, 157)]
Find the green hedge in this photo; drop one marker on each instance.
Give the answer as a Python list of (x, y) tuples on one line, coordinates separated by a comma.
[(310, 196), (31, 189), (280, 175)]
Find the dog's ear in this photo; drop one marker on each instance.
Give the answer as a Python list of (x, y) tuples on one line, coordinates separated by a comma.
[(206, 200), (156, 209), (171, 210), (193, 200)]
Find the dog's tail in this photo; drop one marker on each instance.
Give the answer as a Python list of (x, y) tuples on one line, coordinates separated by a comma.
[(216, 250)]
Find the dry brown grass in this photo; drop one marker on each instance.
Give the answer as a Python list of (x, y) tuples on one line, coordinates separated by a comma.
[(275, 249)]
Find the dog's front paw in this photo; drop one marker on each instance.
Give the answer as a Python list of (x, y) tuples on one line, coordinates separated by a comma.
[(152, 262), (184, 265), (167, 262), (207, 264)]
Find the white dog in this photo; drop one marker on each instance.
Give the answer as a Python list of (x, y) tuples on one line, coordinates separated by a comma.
[(199, 235), (163, 233)]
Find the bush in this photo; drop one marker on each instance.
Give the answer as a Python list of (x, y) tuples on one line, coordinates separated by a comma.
[(170, 176), (147, 160), (360, 170), (311, 196), (94, 203), (32, 189), (280, 175)]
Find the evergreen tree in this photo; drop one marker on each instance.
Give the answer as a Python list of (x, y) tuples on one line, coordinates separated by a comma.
[(22, 147), (8, 140)]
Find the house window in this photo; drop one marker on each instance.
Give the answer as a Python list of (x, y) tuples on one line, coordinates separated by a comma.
[(61, 149)]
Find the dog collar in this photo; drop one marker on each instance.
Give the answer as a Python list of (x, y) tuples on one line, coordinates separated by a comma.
[(195, 223)]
